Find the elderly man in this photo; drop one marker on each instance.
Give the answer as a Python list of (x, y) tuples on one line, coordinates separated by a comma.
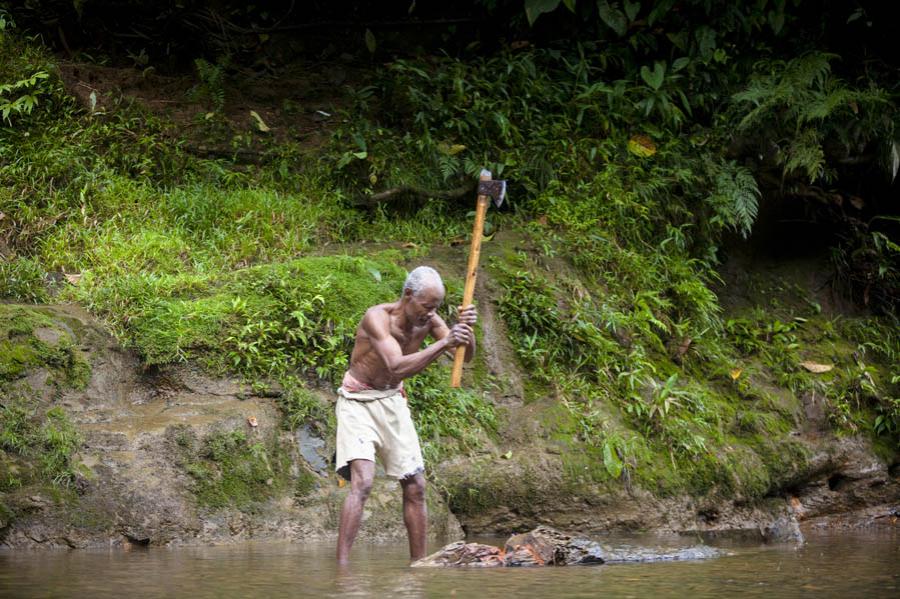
[(372, 415)]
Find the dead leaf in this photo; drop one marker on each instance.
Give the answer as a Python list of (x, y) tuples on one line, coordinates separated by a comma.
[(457, 241), (641, 145), (450, 150), (736, 373), (260, 124), (2, 216), (341, 482), (507, 455), (816, 368), (73, 278), (410, 245), (251, 420)]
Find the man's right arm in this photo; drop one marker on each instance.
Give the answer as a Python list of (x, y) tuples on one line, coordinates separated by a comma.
[(376, 324)]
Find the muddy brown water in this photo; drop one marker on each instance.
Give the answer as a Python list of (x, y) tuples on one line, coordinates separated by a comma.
[(834, 565)]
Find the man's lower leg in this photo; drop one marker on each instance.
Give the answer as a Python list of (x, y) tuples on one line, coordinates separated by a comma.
[(415, 514), (361, 474)]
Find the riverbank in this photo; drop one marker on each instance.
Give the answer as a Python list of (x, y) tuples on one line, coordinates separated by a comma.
[(171, 455)]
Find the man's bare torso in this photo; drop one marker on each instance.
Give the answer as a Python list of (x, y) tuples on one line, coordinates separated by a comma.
[(367, 366)]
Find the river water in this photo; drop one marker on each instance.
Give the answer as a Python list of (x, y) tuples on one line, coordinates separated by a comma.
[(834, 565)]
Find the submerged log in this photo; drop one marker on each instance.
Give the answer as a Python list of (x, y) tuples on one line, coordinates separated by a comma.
[(463, 191)]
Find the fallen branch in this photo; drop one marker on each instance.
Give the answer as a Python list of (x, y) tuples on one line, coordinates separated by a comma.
[(409, 190)]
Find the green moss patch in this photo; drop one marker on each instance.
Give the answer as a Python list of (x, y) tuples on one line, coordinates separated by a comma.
[(233, 468), (37, 446), (30, 339)]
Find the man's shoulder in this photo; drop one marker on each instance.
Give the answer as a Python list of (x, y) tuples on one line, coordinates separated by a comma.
[(377, 316), (378, 311)]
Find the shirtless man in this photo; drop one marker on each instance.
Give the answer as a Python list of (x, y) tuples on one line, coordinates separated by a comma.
[(372, 415)]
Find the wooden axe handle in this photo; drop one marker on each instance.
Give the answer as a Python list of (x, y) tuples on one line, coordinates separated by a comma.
[(471, 273)]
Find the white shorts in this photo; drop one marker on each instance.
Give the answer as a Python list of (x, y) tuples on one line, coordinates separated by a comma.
[(377, 423)]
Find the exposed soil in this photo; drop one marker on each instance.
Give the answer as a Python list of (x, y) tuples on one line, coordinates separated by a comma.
[(296, 106)]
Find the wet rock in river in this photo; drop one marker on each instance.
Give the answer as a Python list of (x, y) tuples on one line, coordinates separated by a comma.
[(783, 530), (461, 553), (545, 546), (625, 555)]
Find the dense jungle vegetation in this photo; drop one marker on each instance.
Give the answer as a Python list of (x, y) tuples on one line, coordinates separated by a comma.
[(231, 185)]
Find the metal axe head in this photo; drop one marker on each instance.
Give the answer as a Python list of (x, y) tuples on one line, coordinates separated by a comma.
[(496, 189)]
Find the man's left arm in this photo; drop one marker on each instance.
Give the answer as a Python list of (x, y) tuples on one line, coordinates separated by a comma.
[(467, 315)]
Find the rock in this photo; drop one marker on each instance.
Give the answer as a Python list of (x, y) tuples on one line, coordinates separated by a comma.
[(49, 336), (310, 446), (460, 553), (626, 555), (545, 546), (885, 517), (783, 530)]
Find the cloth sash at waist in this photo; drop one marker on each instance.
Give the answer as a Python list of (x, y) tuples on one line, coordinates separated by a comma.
[(351, 388)]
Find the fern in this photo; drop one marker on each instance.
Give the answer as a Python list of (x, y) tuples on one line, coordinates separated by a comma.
[(211, 87), (804, 153), (800, 102), (787, 85), (735, 197), (448, 165), (745, 195)]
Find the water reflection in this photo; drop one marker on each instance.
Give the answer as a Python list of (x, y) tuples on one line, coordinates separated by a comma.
[(846, 565)]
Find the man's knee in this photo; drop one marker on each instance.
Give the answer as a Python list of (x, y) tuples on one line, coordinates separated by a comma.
[(414, 489), (361, 481)]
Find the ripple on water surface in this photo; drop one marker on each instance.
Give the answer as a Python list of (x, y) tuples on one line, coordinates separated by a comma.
[(845, 565)]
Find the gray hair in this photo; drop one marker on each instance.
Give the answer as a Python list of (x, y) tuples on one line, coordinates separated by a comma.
[(422, 277)]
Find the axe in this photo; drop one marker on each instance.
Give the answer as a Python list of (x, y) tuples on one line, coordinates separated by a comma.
[(487, 188)]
